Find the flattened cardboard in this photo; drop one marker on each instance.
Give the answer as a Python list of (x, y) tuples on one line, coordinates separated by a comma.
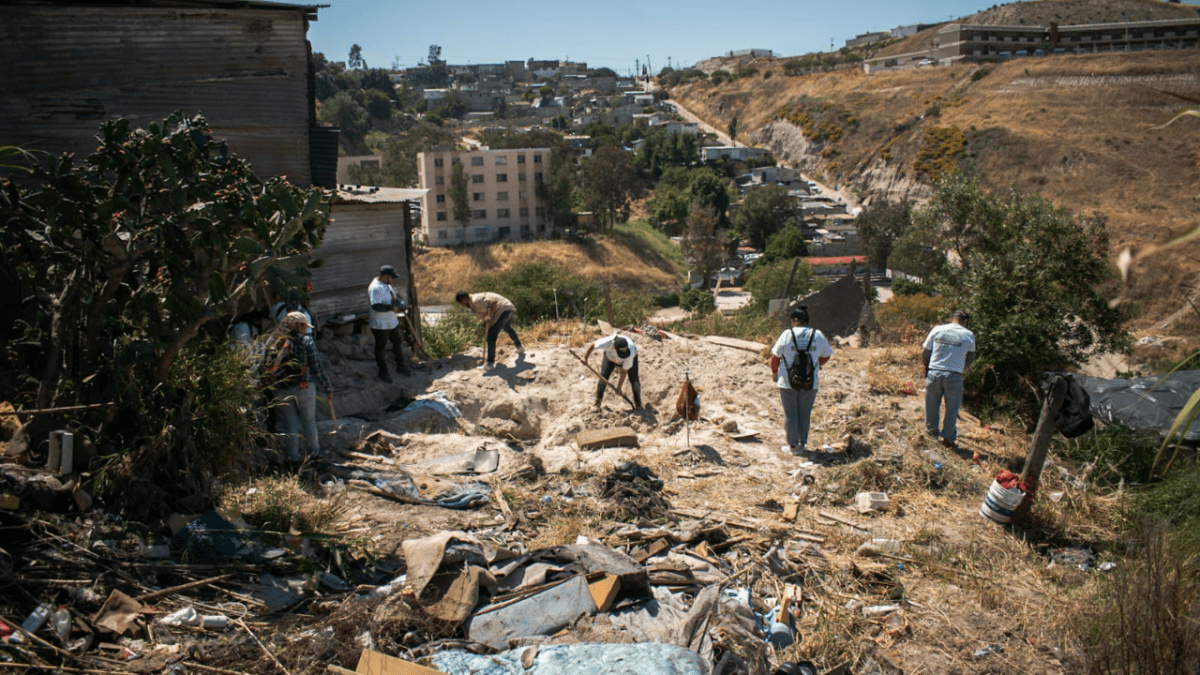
[(604, 589), (375, 663)]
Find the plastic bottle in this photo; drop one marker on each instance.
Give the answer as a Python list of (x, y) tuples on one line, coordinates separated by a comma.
[(33, 622), (62, 623)]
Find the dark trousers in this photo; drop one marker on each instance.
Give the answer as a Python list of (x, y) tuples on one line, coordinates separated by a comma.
[(382, 337), (503, 323), (635, 382)]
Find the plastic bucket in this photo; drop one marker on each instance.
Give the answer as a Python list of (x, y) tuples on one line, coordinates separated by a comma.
[(1000, 502)]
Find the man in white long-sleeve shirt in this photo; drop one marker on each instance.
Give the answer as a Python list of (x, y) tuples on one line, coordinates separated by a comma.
[(386, 308), (948, 351)]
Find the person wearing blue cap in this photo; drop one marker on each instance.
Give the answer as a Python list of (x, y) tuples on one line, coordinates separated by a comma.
[(386, 308)]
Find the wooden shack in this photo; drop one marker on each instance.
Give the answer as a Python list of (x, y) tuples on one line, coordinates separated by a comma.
[(69, 65), (372, 226)]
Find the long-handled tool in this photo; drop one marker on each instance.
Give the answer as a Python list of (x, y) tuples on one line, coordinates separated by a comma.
[(602, 378), (332, 415)]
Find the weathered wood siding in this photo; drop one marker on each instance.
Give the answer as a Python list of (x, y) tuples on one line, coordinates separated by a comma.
[(361, 238), (66, 68)]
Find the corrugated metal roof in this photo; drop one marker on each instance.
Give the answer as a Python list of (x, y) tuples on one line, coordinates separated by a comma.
[(364, 194)]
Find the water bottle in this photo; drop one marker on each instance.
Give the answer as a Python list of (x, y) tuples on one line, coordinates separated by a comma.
[(62, 623)]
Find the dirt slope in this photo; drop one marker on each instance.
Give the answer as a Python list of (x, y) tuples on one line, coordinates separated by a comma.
[(1085, 131), (968, 583)]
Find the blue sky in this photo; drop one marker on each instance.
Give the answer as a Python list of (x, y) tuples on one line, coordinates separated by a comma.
[(607, 34)]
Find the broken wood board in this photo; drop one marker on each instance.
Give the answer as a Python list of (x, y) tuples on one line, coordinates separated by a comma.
[(735, 343), (743, 435), (791, 510), (382, 664), (699, 514), (612, 437), (844, 521)]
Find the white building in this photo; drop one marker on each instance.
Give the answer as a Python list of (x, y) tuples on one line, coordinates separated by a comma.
[(501, 191)]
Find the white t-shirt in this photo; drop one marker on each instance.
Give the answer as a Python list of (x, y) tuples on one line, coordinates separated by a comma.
[(382, 294), (605, 346), (787, 352), (949, 343)]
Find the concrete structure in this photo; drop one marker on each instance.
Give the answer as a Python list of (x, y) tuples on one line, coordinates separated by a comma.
[(501, 191), (68, 66)]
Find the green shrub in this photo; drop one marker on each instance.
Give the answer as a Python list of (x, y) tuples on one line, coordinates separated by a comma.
[(980, 73), (1176, 499), (744, 325), (1115, 452), (534, 287), (766, 281), (698, 301), (632, 308), (905, 319), (457, 330), (910, 287)]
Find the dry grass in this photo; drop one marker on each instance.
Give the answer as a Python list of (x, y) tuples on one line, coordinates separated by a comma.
[(283, 504)]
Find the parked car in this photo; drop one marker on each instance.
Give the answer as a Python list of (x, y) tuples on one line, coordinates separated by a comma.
[(926, 62)]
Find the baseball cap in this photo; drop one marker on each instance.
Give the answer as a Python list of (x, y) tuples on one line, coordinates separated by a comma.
[(388, 270)]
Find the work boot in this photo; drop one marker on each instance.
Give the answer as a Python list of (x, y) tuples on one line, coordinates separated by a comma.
[(403, 369), (383, 375)]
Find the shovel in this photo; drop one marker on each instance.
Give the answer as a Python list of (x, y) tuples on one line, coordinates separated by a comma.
[(329, 402)]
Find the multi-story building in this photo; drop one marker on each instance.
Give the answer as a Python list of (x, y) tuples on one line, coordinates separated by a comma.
[(501, 191)]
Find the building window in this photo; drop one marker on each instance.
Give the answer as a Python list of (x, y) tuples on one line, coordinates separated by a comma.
[(441, 199), (501, 213), (454, 160), (538, 176), (523, 212), (476, 161), (501, 159), (520, 159), (479, 213), (441, 234), (439, 180), (501, 196), (476, 196), (437, 161), (537, 159), (521, 177), (477, 178), (441, 215), (523, 194), (501, 178)]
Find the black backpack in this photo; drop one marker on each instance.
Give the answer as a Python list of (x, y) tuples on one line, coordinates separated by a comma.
[(1074, 418), (801, 371)]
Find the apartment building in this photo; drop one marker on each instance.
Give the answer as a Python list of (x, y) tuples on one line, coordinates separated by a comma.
[(501, 190)]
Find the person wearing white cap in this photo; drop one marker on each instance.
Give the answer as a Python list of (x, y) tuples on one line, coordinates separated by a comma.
[(293, 366), (617, 351), (386, 308)]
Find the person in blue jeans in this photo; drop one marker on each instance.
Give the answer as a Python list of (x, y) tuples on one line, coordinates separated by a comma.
[(948, 351), (798, 342), (496, 312)]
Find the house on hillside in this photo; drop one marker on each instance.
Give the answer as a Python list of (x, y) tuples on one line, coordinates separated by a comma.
[(501, 190), (67, 66), (737, 153)]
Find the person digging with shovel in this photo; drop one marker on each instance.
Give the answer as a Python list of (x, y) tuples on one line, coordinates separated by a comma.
[(616, 350)]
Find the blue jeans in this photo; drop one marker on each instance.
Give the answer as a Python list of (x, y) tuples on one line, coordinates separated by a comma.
[(503, 323), (939, 385), (297, 414), (797, 412)]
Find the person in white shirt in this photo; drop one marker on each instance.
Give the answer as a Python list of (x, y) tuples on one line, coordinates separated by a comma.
[(798, 341), (617, 351), (386, 309), (948, 351)]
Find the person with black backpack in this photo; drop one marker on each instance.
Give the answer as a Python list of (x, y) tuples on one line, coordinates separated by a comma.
[(801, 351)]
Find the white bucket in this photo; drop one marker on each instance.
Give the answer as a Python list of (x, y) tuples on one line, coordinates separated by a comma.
[(1000, 502)]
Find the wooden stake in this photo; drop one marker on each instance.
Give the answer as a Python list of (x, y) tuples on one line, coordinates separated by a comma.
[(1040, 445)]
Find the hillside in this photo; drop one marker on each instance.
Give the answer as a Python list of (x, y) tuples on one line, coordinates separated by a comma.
[(1085, 131), (629, 259)]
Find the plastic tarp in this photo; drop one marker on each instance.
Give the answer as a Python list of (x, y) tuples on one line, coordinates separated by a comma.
[(647, 658), (1145, 403)]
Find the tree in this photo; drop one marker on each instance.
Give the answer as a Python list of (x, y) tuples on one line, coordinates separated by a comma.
[(127, 259), (457, 191), (378, 105), (344, 112), (765, 211), (879, 226), (1035, 278), (355, 60), (733, 128), (704, 242), (435, 54), (669, 209), (708, 189), (610, 183), (767, 280), (786, 244)]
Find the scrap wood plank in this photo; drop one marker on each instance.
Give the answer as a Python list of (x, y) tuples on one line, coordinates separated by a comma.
[(182, 587), (736, 522), (791, 510), (735, 343), (844, 521), (611, 437)]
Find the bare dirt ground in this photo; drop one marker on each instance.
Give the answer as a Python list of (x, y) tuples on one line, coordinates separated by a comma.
[(965, 583)]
